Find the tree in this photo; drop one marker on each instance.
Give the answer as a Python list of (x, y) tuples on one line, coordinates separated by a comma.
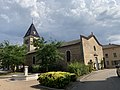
[(47, 53), (11, 55)]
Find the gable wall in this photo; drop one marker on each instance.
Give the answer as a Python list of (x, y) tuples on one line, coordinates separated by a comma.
[(88, 50)]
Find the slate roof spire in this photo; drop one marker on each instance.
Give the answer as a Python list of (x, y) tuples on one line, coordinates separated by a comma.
[(32, 31)]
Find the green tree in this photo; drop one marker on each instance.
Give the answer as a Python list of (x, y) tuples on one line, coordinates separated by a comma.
[(47, 53), (11, 55)]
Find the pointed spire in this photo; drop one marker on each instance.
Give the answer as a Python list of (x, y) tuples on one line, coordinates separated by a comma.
[(32, 31)]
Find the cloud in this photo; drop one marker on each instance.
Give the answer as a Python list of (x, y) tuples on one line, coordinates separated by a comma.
[(27, 3), (114, 39), (61, 19), (5, 17)]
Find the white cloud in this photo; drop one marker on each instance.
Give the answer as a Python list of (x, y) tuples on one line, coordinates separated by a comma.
[(114, 39), (35, 14), (5, 17), (55, 17), (27, 3)]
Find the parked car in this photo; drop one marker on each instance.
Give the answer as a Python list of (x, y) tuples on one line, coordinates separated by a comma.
[(118, 70)]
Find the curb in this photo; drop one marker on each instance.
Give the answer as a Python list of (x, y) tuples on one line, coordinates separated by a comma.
[(88, 75), (85, 76), (48, 88)]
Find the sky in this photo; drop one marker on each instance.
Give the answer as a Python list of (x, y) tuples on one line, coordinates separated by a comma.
[(62, 20)]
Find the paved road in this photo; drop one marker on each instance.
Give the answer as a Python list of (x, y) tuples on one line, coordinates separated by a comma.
[(99, 80), (7, 84)]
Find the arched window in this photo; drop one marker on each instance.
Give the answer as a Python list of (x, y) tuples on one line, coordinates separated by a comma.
[(33, 59), (68, 55), (94, 48)]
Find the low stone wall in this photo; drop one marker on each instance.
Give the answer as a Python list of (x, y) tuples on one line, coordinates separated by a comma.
[(23, 77)]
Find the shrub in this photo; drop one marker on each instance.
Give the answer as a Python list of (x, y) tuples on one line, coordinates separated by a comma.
[(57, 67), (90, 68), (56, 79), (78, 68), (35, 68)]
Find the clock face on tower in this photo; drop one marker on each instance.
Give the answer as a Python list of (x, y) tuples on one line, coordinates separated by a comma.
[(34, 32)]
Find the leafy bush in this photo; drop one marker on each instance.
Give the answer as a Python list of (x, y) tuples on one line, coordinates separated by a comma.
[(56, 79), (90, 68), (35, 68), (57, 67), (78, 68)]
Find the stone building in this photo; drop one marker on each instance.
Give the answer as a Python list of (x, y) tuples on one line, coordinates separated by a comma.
[(29, 38), (111, 55), (85, 49)]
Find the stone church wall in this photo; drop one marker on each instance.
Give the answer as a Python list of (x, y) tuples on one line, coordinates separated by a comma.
[(75, 52)]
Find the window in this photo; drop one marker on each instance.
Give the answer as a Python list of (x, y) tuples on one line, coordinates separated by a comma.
[(68, 56), (106, 55), (34, 32), (34, 40), (26, 41), (33, 59), (94, 48), (116, 62), (107, 62), (114, 54)]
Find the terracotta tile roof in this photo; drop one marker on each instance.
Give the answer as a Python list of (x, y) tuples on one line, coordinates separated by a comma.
[(79, 40), (70, 43)]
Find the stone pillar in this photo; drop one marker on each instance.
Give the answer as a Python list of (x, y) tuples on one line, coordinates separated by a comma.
[(26, 71)]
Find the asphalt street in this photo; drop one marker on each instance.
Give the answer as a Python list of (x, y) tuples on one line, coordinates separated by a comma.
[(99, 80)]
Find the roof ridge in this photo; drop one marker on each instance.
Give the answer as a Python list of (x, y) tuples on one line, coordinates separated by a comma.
[(91, 35)]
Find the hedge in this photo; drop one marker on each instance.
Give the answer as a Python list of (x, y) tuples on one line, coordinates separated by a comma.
[(56, 79)]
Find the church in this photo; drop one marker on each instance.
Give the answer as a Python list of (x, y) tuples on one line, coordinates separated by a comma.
[(84, 49)]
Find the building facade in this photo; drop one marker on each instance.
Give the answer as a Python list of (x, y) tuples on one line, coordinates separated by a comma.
[(29, 38), (111, 55), (84, 50)]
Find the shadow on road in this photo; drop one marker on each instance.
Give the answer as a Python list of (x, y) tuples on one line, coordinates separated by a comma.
[(39, 87), (112, 83)]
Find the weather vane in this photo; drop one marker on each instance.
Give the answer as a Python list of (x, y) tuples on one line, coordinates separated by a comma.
[(32, 20)]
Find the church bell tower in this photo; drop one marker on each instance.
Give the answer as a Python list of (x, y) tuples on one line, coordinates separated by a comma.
[(30, 36)]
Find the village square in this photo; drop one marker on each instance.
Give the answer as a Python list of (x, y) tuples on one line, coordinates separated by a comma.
[(85, 57), (59, 45)]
